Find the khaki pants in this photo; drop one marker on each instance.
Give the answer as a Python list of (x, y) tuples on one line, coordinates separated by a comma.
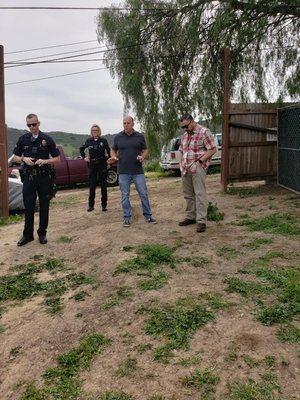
[(194, 192)]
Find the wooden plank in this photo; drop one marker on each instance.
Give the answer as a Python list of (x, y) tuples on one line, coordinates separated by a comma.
[(252, 127), (253, 144), (225, 122), (233, 112)]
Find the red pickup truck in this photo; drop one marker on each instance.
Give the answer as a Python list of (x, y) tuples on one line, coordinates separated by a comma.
[(71, 171)]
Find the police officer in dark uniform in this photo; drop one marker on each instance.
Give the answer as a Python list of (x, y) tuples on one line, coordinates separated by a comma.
[(99, 152), (33, 150)]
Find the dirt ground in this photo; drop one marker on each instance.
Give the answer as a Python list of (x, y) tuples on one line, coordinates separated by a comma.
[(96, 249)]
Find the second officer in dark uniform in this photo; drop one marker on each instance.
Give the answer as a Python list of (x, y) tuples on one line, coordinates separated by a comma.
[(99, 152), (34, 149)]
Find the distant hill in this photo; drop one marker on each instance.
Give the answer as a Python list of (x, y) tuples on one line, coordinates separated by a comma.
[(69, 141)]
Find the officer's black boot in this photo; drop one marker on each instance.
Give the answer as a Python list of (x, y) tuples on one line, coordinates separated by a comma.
[(24, 240)]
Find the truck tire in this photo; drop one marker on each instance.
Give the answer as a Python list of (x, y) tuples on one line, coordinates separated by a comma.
[(112, 177)]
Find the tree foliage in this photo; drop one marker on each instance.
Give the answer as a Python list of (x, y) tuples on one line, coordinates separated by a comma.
[(168, 56)]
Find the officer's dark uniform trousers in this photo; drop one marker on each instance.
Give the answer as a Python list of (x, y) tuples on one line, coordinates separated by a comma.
[(99, 152), (37, 181), (98, 173)]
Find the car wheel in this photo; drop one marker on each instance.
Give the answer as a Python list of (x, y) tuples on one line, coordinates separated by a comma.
[(112, 177), (177, 172)]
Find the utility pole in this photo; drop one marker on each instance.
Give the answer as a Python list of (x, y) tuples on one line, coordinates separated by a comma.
[(225, 121), (4, 211)]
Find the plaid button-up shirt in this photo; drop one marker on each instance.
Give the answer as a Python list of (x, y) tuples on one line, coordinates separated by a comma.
[(193, 146)]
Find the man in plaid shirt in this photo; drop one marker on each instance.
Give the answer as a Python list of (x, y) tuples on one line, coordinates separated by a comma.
[(197, 147)]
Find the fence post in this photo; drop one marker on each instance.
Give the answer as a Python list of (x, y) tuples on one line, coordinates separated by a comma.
[(4, 212), (225, 121)]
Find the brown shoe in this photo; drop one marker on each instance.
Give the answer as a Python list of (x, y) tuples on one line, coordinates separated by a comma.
[(186, 222), (201, 227)]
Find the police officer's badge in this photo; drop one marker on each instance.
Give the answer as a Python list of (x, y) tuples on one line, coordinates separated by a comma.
[(44, 143)]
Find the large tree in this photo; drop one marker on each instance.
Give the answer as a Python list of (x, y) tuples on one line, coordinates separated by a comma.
[(168, 55)]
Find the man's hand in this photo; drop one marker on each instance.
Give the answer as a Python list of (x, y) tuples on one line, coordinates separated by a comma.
[(29, 161), (41, 162), (87, 159), (112, 160)]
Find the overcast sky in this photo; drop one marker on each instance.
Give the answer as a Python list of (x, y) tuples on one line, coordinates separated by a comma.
[(71, 103)]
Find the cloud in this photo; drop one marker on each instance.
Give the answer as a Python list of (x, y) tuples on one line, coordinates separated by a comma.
[(69, 103)]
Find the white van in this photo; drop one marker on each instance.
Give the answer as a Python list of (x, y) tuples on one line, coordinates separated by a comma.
[(171, 156)]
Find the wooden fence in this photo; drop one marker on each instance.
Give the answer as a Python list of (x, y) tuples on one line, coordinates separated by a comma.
[(249, 142)]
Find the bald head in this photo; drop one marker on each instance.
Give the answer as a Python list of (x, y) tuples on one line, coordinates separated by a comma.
[(128, 124)]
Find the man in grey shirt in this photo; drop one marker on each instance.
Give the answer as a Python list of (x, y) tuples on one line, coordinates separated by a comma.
[(130, 150)]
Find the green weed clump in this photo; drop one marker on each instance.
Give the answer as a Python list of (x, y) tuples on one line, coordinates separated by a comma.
[(152, 166), (178, 323), (282, 224), (123, 293), (12, 219), (213, 213), (283, 283), (256, 243), (266, 389), (25, 283), (149, 261), (62, 382), (242, 192), (205, 381), (115, 396), (289, 333), (127, 367), (227, 252), (243, 287), (64, 239)]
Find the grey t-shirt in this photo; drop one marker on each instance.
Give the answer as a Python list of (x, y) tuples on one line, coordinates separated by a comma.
[(129, 147)]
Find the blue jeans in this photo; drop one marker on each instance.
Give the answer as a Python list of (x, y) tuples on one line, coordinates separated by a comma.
[(140, 185)]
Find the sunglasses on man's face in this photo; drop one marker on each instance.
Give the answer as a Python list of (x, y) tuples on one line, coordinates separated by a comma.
[(185, 126), (32, 125)]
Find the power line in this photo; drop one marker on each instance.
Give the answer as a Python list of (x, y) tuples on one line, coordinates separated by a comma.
[(86, 8), (58, 54), (55, 76), (50, 47)]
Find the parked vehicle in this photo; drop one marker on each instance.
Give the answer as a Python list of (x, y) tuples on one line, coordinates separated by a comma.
[(171, 156), (71, 171), (15, 191)]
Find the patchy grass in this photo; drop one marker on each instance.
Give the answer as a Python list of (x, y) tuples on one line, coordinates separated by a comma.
[(64, 239), (257, 243), (266, 389), (115, 396), (289, 333), (149, 257), (80, 296), (25, 283), (178, 323), (143, 347), (227, 252), (205, 381), (265, 260), (11, 219), (189, 361), (282, 224), (282, 283), (67, 200), (213, 213), (242, 192), (62, 382), (250, 361), (127, 367), (2, 329), (243, 287), (123, 293), (149, 261), (156, 281)]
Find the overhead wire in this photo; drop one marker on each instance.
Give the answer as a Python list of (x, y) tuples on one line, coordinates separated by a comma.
[(50, 47)]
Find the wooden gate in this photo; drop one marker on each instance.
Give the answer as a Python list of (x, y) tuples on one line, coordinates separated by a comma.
[(249, 142)]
